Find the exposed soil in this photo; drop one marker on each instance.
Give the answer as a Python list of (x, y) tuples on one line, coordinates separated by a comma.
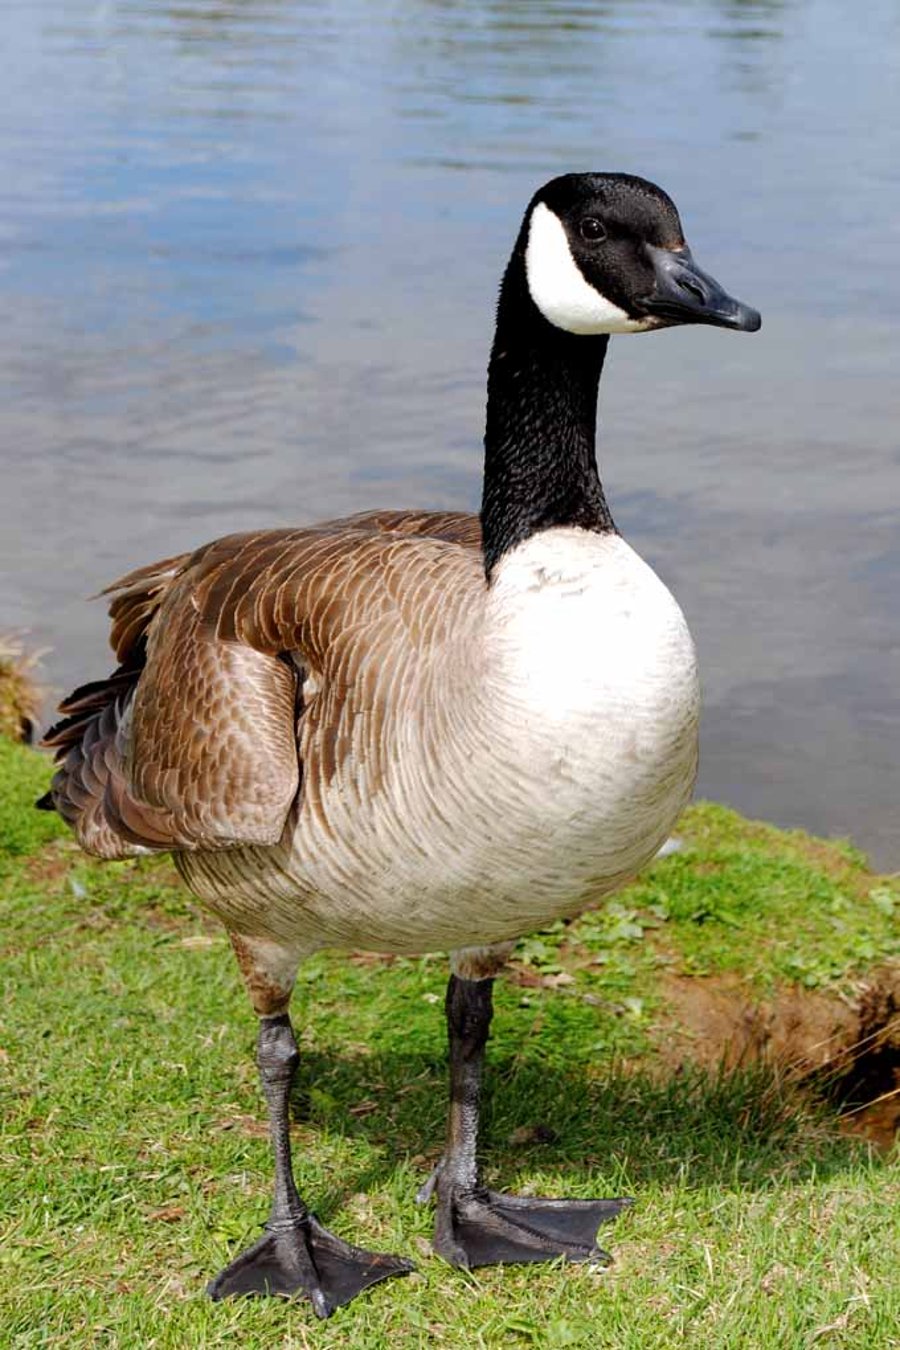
[(20, 694), (844, 1048)]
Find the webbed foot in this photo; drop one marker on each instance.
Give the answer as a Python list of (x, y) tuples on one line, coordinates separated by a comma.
[(305, 1259), (483, 1228)]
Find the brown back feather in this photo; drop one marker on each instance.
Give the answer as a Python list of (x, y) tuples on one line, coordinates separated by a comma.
[(192, 741)]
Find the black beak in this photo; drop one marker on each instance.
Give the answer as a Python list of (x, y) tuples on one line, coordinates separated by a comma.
[(683, 294)]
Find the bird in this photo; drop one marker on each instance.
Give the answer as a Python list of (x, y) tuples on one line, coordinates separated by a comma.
[(411, 731)]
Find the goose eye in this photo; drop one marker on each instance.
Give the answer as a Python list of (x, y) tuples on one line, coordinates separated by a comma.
[(592, 229)]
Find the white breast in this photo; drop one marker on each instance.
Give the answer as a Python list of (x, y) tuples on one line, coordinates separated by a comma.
[(579, 627), (593, 677)]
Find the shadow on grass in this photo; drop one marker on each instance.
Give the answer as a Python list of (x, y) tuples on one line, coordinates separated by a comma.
[(742, 1128)]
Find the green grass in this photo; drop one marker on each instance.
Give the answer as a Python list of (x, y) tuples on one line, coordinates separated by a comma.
[(134, 1161)]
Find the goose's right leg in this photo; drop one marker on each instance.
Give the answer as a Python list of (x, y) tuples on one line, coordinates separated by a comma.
[(296, 1255), (475, 1226)]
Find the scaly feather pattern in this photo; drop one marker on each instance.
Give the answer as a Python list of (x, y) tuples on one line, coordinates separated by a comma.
[(191, 743)]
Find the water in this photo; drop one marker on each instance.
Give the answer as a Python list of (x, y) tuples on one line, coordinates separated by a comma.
[(248, 256)]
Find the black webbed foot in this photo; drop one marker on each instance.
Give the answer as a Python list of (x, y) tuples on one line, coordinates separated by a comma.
[(306, 1260), (483, 1228)]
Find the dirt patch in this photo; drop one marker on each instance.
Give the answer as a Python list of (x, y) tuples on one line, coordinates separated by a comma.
[(20, 693), (846, 1048), (52, 865)]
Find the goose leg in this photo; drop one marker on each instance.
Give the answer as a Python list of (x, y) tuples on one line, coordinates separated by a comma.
[(475, 1226), (296, 1255)]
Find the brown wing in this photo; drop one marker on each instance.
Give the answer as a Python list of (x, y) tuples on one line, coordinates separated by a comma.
[(91, 740), (192, 742)]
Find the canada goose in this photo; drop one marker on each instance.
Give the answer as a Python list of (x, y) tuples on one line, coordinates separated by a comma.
[(410, 731)]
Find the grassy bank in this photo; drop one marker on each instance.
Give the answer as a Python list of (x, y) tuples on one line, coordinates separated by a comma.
[(134, 1160)]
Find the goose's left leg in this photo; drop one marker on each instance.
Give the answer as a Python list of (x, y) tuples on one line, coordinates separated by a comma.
[(475, 1226), (296, 1255)]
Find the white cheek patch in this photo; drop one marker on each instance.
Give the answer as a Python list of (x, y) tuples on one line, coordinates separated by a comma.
[(559, 289)]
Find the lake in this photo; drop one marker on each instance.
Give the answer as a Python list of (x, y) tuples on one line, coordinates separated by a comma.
[(249, 252)]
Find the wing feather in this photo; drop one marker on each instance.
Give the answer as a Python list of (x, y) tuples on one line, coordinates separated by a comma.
[(193, 741)]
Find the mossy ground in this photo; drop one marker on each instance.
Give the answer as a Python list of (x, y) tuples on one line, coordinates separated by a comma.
[(134, 1159)]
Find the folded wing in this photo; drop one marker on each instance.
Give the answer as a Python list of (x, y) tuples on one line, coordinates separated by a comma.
[(192, 742)]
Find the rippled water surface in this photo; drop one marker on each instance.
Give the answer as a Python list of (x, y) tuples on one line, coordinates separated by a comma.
[(248, 257)]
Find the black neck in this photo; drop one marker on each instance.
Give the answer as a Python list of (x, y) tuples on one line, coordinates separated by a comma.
[(540, 463)]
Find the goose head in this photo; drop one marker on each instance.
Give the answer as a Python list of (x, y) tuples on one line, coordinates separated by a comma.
[(605, 253)]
